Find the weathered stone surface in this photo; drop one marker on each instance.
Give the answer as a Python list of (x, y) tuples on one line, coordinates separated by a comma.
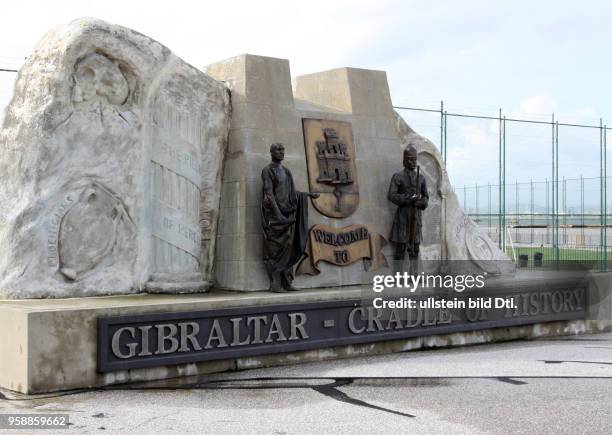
[(111, 155), (263, 112)]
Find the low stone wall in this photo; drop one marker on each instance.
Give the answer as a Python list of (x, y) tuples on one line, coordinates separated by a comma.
[(51, 345)]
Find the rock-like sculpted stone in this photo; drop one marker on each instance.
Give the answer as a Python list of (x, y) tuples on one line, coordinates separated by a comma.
[(111, 155)]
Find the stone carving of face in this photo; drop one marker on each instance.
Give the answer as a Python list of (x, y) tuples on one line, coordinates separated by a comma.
[(97, 77), (277, 151)]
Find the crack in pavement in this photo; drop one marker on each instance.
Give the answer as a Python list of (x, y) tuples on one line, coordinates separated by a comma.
[(511, 381), (332, 392), (290, 383)]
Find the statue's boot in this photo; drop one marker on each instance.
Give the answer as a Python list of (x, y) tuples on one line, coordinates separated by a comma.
[(275, 284), (286, 279)]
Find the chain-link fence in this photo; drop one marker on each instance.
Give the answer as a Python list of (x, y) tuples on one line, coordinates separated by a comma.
[(549, 219)]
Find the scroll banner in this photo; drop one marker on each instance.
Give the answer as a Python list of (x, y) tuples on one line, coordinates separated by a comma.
[(343, 246)]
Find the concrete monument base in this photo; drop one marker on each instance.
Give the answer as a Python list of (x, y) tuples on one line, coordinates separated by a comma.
[(52, 345)]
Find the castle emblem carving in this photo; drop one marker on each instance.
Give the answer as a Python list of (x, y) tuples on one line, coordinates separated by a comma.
[(330, 154)]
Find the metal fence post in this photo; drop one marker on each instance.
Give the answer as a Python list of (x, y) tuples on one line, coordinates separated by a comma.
[(605, 193), (582, 221), (554, 197), (532, 210), (564, 211), (445, 136), (504, 182), (442, 131), (477, 205), (500, 181), (548, 215), (517, 221), (603, 234), (489, 207), (557, 194)]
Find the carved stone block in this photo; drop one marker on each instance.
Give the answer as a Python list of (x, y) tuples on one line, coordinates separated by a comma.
[(111, 156)]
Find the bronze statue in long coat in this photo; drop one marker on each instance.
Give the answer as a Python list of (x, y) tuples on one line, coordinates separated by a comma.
[(284, 217), (408, 190)]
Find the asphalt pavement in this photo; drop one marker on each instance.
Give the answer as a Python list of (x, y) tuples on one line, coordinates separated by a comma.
[(553, 385)]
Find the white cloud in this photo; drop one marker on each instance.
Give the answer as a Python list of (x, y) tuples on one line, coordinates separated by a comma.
[(536, 107)]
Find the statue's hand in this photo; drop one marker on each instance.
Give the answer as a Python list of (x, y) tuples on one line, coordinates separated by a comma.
[(411, 199)]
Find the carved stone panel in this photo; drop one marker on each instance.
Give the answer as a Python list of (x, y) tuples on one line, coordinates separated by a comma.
[(176, 179), (88, 230), (330, 154)]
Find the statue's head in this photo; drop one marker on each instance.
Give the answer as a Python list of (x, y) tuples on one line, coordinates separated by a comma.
[(410, 157), (277, 152)]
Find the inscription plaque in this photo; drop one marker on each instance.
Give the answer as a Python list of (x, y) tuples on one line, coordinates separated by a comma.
[(130, 342), (341, 247)]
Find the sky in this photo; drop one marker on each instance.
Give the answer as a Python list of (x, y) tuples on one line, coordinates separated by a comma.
[(529, 58)]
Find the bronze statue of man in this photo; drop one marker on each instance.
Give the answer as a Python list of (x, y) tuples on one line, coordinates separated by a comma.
[(284, 217), (408, 190)]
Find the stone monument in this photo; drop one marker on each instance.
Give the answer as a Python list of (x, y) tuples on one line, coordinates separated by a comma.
[(112, 153), (128, 172)]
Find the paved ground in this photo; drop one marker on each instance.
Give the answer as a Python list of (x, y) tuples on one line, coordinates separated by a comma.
[(555, 386)]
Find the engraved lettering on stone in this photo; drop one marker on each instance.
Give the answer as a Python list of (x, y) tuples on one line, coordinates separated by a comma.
[(166, 338), (144, 342), (257, 321), (176, 179), (189, 332), (115, 343), (236, 321), (169, 225), (216, 334), (52, 237), (298, 320), (276, 331)]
